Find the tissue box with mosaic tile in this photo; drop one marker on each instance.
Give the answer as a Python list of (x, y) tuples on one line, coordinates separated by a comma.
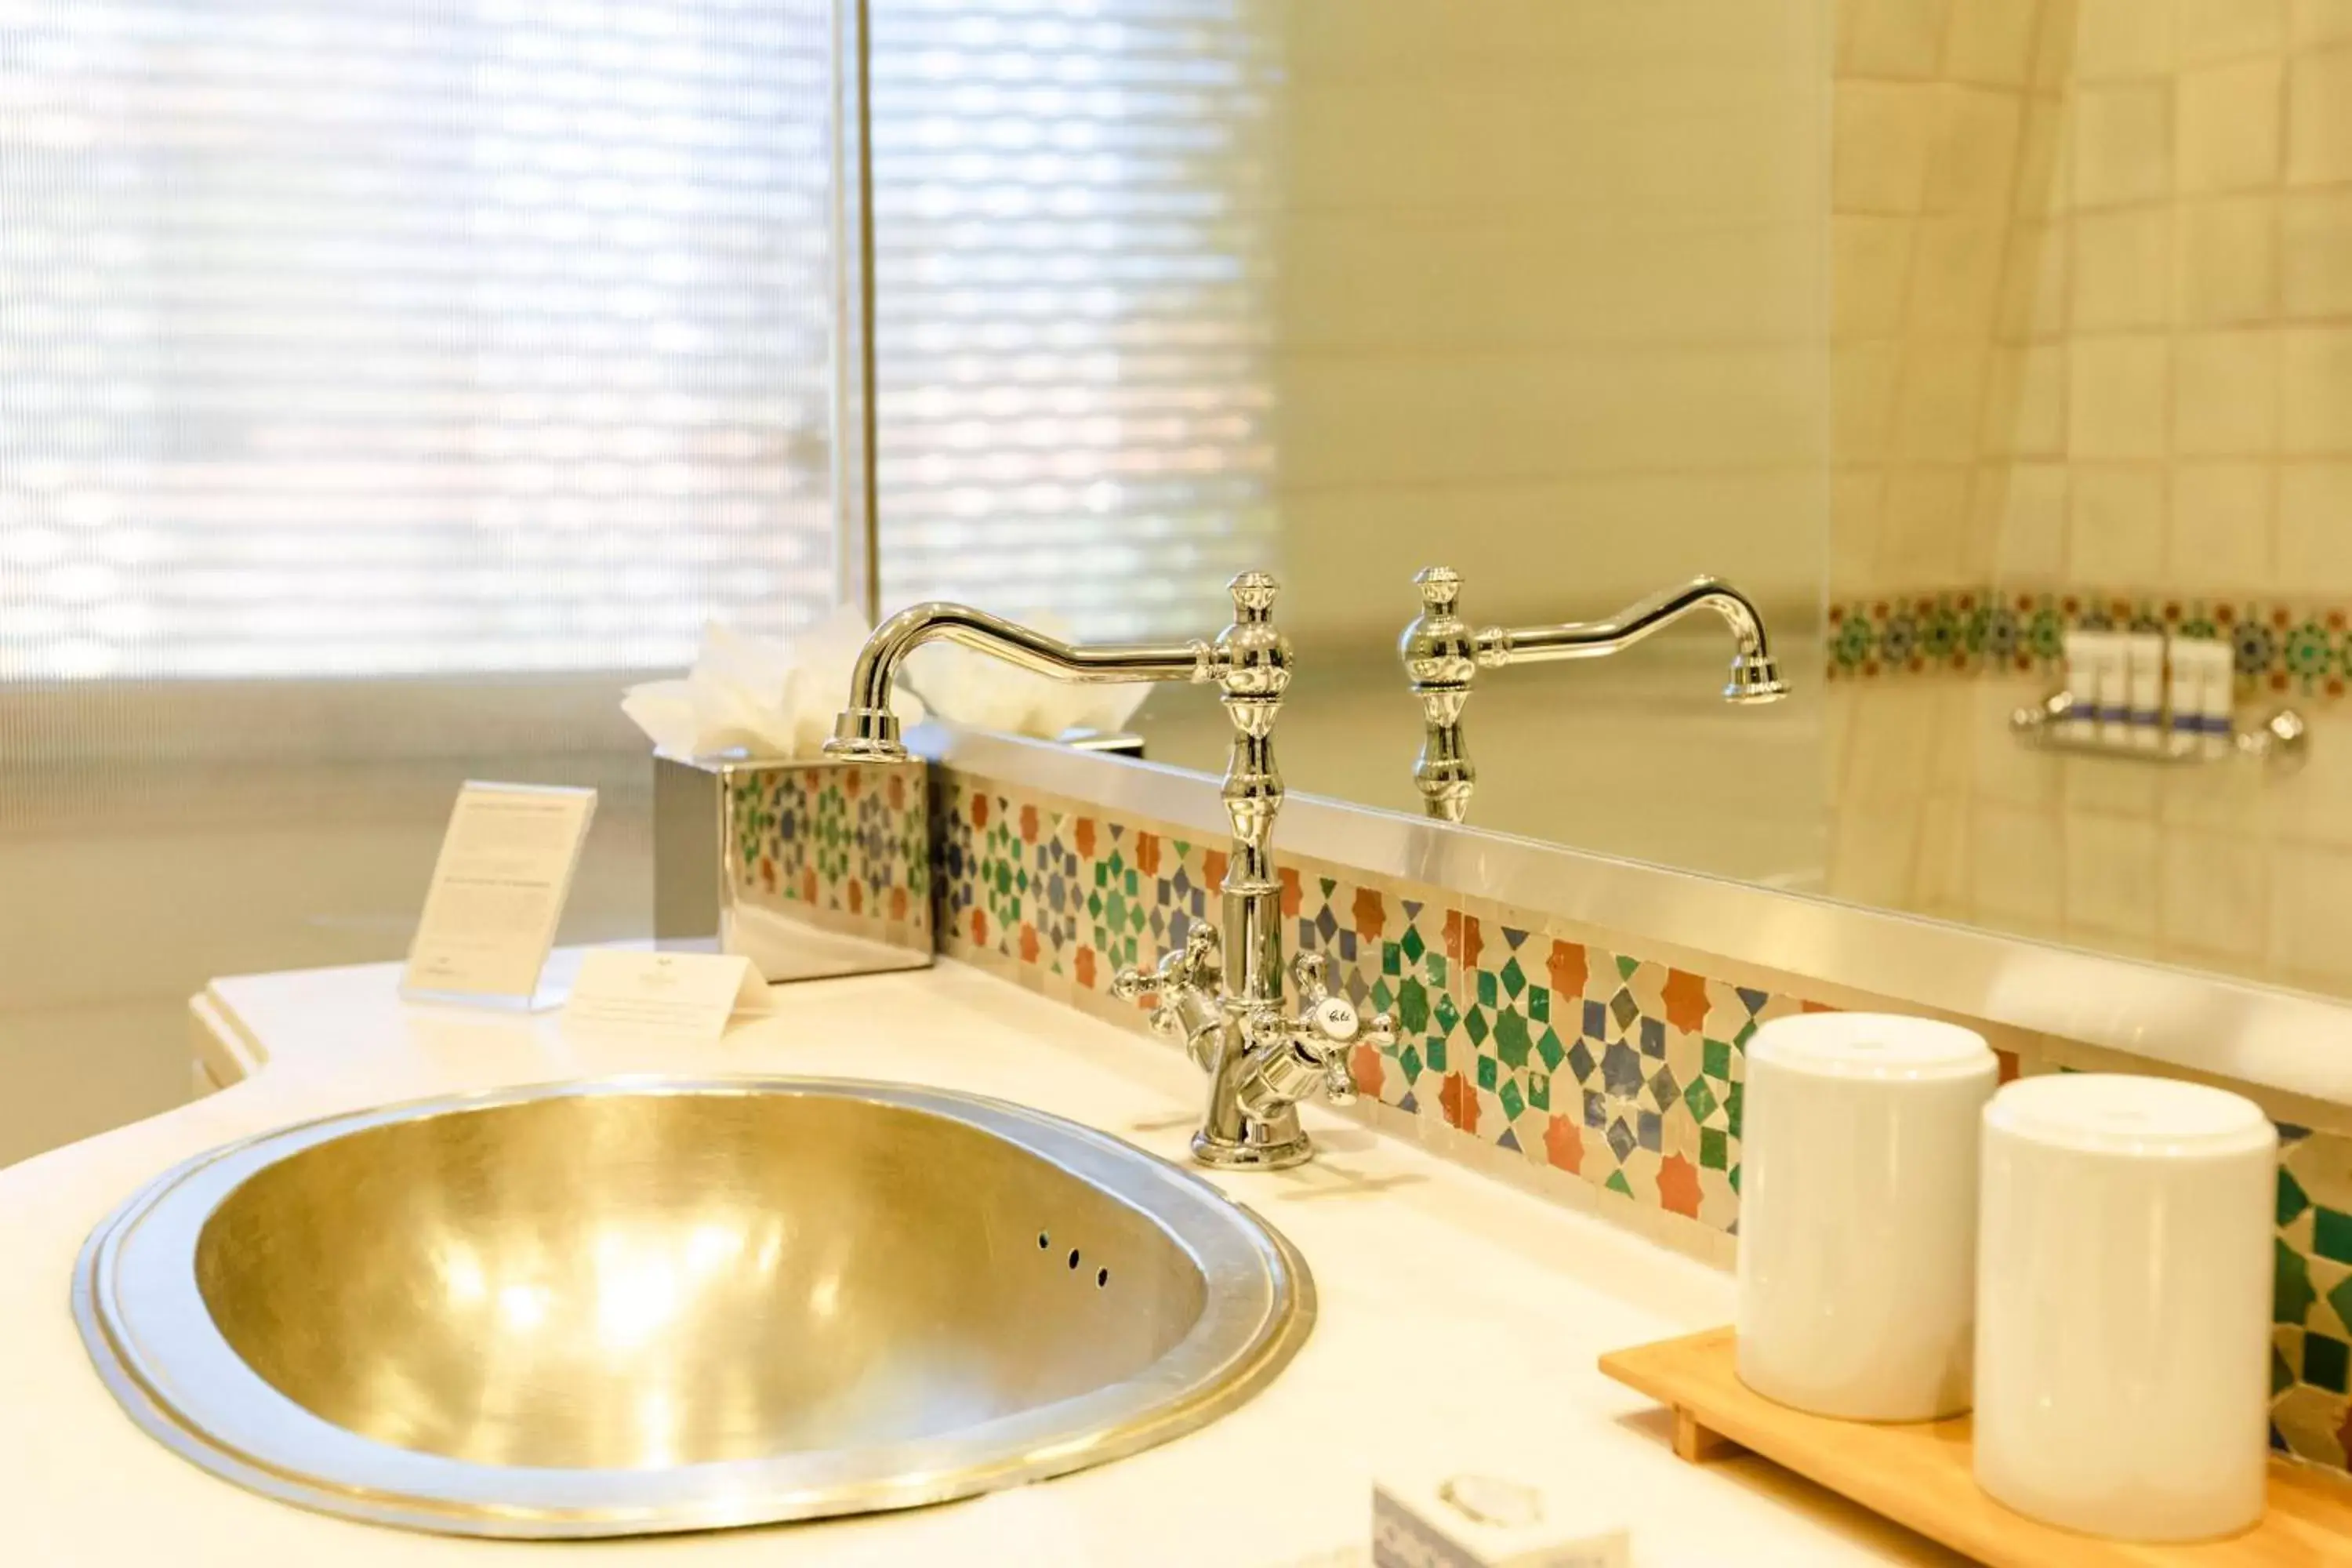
[(763, 846)]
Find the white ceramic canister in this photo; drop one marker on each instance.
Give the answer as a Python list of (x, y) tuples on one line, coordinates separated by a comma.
[(2124, 1306), (1857, 1214)]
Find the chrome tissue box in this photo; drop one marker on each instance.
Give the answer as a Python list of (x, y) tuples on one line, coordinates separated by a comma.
[(810, 869)]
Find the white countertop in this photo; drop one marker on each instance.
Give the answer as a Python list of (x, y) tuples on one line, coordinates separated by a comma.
[(1458, 1328)]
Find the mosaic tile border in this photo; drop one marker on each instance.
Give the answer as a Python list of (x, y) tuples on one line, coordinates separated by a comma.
[(1520, 1040), (2311, 1334), (2281, 647), (835, 844)]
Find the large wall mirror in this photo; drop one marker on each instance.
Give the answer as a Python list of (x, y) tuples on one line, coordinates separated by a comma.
[(1941, 330)]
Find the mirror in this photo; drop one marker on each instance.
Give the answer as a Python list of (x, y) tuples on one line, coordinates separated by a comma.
[(1548, 310), (1940, 331)]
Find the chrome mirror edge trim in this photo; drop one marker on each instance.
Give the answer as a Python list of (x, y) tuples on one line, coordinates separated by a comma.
[(2268, 1037)]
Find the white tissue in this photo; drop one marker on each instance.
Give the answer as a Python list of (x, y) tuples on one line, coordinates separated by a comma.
[(763, 698), (989, 694)]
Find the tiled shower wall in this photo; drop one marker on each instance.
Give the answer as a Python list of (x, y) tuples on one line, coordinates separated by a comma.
[(1596, 1070), (2094, 348), (2186, 354), (2094, 303), (1932, 205), (2238, 868), (1546, 285)]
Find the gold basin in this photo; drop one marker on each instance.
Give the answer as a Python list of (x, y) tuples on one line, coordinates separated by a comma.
[(624, 1307)]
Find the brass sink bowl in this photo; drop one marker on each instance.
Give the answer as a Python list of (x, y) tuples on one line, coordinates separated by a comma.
[(644, 1305)]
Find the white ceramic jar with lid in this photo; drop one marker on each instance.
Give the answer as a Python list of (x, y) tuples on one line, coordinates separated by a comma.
[(2124, 1306), (1857, 1215)]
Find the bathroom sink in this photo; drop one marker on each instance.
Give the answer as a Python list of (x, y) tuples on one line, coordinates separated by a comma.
[(642, 1305)]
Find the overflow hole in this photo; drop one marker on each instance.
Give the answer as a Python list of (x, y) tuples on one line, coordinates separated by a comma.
[(1102, 1277), (1044, 1241), (1074, 1257)]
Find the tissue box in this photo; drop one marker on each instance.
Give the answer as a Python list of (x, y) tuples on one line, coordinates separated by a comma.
[(810, 869), (1451, 1526)]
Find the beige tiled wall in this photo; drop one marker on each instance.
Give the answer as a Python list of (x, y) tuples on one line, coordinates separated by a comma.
[(1940, 192), (2161, 358), (2198, 392), (2120, 233), (1937, 808), (1550, 280)]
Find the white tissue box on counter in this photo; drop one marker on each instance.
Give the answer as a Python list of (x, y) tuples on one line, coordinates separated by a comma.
[(1479, 1522), (810, 869)]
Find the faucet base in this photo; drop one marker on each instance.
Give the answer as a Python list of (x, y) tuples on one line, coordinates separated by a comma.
[(1225, 1154)]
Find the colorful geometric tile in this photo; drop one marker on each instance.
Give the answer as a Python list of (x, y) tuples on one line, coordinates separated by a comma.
[(1001, 871), (1494, 1124), (1456, 1099), (1065, 881), (1041, 938), (2311, 1296), (1119, 898), (1567, 1140), (1625, 1072), (1719, 1200), (2292, 1199), (2280, 646), (1186, 879), (1637, 1176), (2291, 1291), (843, 840), (1333, 918), (2310, 1420), (2330, 1283), (2321, 1164), (2331, 1234), (2326, 1361), (2337, 1298), (1646, 984), (1397, 967), (1948, 631), (958, 821)]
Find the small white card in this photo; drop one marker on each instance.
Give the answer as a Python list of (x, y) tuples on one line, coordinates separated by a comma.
[(668, 993), (499, 890)]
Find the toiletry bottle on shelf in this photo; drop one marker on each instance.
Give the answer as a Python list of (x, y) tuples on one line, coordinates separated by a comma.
[(2218, 701), (2081, 722), (2185, 691), (2114, 687), (2143, 658)]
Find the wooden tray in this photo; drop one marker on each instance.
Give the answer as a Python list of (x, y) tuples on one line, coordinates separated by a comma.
[(1922, 1475)]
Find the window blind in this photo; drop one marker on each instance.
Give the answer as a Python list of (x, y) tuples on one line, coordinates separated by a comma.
[(1073, 279), (350, 337)]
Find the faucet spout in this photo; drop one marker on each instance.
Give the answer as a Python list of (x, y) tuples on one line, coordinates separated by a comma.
[(1755, 677), (1222, 993), (866, 730), (1442, 655)]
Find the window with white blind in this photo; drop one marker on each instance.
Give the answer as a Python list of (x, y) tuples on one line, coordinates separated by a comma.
[(1072, 233), (377, 378), (349, 337)]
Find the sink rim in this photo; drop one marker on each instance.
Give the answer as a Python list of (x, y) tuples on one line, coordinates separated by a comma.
[(154, 1342)]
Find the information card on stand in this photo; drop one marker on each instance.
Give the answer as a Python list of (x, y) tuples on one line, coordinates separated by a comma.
[(691, 994), (498, 891)]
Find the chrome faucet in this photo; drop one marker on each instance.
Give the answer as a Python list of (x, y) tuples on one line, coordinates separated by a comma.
[(1441, 653), (1222, 999)]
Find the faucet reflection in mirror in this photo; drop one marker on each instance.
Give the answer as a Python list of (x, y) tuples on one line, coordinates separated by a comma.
[(1442, 655), (1220, 995)]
